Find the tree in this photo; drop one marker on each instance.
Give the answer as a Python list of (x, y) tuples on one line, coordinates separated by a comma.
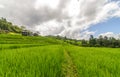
[(23, 27), (105, 41), (84, 43), (92, 41), (8, 26)]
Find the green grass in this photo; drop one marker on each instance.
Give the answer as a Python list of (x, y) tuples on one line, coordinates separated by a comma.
[(18, 39), (26, 56), (31, 62), (96, 62), (15, 46)]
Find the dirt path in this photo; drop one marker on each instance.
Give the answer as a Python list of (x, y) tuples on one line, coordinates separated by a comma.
[(69, 69)]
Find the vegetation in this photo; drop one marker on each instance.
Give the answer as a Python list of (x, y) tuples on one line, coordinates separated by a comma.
[(68, 40), (26, 56), (31, 62), (95, 62), (55, 56), (18, 39), (6, 27), (102, 42)]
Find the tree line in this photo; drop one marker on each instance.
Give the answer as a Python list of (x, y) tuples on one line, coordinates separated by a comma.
[(101, 42)]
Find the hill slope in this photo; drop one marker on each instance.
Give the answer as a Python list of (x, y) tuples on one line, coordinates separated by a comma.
[(6, 26), (19, 39), (30, 56)]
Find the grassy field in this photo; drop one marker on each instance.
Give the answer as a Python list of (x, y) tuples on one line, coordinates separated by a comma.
[(44, 61), (95, 62), (22, 56)]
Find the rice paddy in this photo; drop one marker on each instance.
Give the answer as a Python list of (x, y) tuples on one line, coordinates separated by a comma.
[(48, 57)]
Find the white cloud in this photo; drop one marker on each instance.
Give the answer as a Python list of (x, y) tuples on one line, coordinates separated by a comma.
[(47, 3), (50, 28), (2, 6), (73, 8), (71, 18), (110, 34)]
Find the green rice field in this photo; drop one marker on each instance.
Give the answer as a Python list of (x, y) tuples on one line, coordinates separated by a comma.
[(26, 56)]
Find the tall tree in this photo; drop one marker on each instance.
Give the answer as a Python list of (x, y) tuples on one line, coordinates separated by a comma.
[(92, 41)]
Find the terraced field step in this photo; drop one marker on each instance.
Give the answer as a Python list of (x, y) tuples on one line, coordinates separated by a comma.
[(68, 67), (7, 46)]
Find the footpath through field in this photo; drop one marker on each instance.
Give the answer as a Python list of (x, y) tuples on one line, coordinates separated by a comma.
[(69, 69)]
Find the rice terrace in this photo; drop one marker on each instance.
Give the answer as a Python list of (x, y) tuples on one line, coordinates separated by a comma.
[(26, 56), (59, 38)]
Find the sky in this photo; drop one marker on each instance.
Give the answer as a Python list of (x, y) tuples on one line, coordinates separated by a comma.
[(76, 19), (111, 25)]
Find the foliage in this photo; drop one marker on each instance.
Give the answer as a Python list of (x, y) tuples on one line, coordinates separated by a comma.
[(25, 56), (95, 62), (31, 62), (102, 42), (6, 27), (18, 39)]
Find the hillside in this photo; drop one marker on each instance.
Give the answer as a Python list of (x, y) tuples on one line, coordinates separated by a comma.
[(6, 27), (37, 56), (19, 39)]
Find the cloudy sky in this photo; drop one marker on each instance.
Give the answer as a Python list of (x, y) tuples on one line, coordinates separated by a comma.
[(71, 18)]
